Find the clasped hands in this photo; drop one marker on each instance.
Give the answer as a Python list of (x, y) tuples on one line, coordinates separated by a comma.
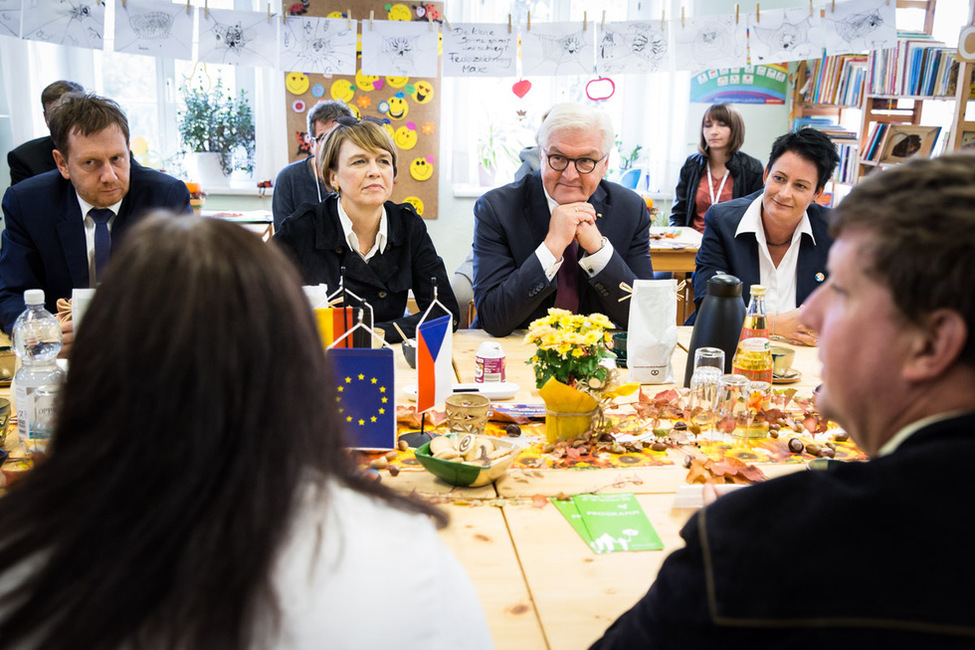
[(573, 221)]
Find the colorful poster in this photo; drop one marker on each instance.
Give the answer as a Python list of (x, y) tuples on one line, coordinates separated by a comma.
[(759, 84)]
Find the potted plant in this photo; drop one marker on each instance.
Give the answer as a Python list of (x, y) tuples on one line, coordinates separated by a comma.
[(215, 122), (488, 148)]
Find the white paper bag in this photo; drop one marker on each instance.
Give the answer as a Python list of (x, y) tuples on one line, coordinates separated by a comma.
[(317, 295), (652, 335)]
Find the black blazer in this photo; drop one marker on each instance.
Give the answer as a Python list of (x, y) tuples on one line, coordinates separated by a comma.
[(747, 173), (31, 158), (891, 538), (722, 251), (44, 241), (510, 287), (314, 239)]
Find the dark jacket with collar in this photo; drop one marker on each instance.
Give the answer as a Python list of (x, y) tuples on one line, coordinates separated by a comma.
[(510, 286), (31, 158), (872, 554), (747, 173), (722, 251), (44, 243), (314, 239)]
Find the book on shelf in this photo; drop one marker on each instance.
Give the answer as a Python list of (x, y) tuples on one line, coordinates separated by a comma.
[(917, 66), (835, 80)]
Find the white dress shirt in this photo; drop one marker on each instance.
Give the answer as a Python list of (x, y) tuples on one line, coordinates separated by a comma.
[(379, 246), (779, 282)]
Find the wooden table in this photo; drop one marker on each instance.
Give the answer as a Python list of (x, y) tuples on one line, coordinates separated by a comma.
[(676, 255), (540, 585)]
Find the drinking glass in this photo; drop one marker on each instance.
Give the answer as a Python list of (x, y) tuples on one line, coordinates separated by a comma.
[(731, 409), (709, 357), (703, 393), (759, 401)]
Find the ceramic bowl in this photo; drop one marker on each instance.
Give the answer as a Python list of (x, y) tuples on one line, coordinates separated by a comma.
[(463, 474), (782, 358), (409, 351)]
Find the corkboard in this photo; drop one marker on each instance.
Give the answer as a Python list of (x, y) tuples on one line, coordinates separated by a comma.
[(368, 95)]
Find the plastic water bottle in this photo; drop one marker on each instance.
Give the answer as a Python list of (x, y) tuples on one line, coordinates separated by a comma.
[(37, 341)]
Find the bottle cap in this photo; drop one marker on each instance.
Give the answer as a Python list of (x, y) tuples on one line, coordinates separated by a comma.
[(758, 290), (723, 285), (34, 297)]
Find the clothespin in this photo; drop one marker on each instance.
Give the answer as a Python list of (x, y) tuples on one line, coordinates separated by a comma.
[(682, 23), (509, 23), (585, 21), (663, 19), (446, 22), (284, 13), (758, 13), (187, 7), (268, 11), (529, 21), (123, 4), (604, 20), (206, 9), (833, 9), (371, 12), (348, 18), (810, 8), (736, 13)]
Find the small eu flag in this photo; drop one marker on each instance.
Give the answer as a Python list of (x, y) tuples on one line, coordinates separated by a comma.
[(366, 396)]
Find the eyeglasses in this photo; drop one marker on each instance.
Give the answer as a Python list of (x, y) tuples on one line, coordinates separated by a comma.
[(583, 165)]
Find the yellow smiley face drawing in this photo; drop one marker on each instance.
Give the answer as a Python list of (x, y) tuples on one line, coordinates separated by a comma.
[(422, 92), (389, 130), (342, 90), (421, 169), (405, 136), (397, 82), (399, 12), (416, 203), (365, 82), (398, 108), (296, 83), (335, 14)]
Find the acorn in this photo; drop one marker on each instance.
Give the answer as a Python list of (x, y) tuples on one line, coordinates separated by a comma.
[(795, 445), (513, 430)]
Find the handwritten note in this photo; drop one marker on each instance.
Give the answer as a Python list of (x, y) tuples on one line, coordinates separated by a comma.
[(479, 50)]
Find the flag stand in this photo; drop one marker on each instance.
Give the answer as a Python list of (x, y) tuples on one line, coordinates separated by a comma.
[(417, 438)]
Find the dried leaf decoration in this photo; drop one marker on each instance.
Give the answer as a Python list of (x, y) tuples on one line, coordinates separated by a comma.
[(726, 470)]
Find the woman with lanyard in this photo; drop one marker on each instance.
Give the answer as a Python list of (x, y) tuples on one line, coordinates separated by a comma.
[(718, 172)]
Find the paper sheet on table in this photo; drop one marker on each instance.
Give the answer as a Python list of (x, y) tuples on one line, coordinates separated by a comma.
[(610, 523)]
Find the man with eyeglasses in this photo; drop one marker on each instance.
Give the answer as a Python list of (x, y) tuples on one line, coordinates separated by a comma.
[(298, 182), (562, 237)]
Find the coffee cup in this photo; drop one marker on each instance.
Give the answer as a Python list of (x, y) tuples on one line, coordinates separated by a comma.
[(782, 358)]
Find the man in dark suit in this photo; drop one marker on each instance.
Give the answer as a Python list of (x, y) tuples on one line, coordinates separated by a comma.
[(777, 237), (61, 225), (862, 555), (37, 156), (561, 237)]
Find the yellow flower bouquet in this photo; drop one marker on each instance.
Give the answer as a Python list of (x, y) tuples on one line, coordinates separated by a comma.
[(571, 372)]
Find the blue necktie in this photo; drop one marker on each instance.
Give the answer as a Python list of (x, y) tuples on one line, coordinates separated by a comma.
[(103, 238)]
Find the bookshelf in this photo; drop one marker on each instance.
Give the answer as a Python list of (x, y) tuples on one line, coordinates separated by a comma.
[(895, 86)]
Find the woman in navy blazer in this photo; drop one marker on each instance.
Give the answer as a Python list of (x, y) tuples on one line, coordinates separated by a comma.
[(383, 246), (777, 237)]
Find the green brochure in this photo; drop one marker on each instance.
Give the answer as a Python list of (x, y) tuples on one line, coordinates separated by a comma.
[(610, 522)]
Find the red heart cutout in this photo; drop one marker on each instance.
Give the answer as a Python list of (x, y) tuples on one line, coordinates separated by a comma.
[(522, 87)]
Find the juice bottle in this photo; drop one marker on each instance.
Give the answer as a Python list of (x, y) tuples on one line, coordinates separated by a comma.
[(753, 358)]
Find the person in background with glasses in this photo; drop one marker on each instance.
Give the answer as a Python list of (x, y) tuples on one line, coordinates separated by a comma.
[(563, 236), (384, 247), (300, 182)]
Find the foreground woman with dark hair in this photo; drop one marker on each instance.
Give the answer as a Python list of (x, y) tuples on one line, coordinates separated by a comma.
[(197, 494)]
